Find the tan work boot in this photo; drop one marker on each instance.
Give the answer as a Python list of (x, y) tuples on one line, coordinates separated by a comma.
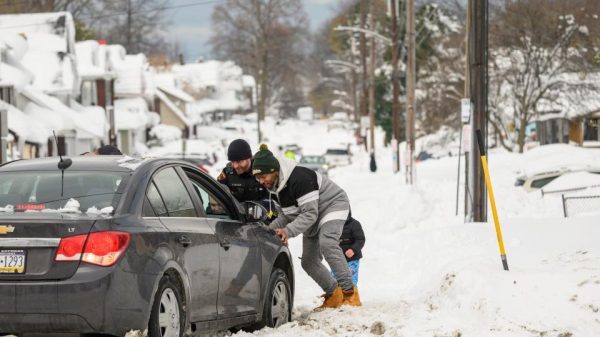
[(333, 300), (352, 298)]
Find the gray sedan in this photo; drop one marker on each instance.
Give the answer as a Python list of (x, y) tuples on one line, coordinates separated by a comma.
[(108, 244)]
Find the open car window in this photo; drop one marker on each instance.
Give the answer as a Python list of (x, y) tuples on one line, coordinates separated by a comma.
[(214, 204)]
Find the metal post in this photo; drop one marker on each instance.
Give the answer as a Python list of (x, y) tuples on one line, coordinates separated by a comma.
[(396, 88), (478, 65), (410, 90), (112, 134), (3, 135), (373, 165)]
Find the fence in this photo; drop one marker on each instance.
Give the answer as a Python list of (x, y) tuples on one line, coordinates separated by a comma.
[(581, 204)]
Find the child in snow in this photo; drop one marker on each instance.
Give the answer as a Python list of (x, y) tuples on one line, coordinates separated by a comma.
[(352, 241)]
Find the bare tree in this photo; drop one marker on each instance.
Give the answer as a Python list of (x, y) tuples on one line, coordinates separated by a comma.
[(138, 25), (267, 38), (535, 44)]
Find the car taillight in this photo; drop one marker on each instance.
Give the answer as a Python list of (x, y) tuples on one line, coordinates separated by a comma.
[(70, 248), (101, 248), (104, 248)]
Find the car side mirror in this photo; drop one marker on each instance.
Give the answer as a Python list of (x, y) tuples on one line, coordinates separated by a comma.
[(255, 212)]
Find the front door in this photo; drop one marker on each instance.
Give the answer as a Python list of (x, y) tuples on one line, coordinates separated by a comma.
[(239, 253)]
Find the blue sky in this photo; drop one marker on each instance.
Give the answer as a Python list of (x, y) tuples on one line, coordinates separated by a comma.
[(191, 25)]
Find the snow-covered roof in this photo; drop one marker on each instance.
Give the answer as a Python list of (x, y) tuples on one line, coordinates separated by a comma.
[(24, 126), (180, 114), (95, 116), (51, 49), (216, 74), (131, 78), (51, 110), (131, 113), (248, 81), (12, 72), (92, 60), (577, 96), (176, 92)]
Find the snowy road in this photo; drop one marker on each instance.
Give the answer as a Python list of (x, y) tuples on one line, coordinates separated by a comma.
[(426, 273)]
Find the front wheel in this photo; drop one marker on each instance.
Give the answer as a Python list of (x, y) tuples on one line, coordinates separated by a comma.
[(167, 318), (278, 304)]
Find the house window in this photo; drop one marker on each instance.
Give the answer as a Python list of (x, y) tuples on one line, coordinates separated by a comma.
[(88, 93), (7, 95)]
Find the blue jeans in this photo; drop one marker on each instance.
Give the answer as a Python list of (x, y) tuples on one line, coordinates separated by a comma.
[(353, 266)]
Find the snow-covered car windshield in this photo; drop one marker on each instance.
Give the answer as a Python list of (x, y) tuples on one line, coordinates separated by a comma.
[(48, 191)]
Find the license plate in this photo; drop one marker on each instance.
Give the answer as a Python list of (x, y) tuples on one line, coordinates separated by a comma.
[(12, 261)]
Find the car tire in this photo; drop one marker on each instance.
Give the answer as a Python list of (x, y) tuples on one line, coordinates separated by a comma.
[(168, 305), (278, 303)]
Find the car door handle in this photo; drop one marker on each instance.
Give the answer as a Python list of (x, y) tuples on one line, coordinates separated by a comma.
[(225, 244), (184, 241)]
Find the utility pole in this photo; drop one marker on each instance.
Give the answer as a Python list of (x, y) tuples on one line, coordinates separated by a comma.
[(478, 51), (410, 90), (373, 164), (363, 61), (395, 87), (3, 135)]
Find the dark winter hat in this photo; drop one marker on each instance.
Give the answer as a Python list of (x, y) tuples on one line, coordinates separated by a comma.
[(109, 150), (264, 161), (239, 149)]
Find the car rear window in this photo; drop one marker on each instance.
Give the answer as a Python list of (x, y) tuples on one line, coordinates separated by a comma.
[(50, 190), (312, 160)]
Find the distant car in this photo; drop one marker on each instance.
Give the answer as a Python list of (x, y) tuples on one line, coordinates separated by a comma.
[(316, 163), (537, 181), (295, 148), (338, 157), (112, 244), (422, 156), (336, 124)]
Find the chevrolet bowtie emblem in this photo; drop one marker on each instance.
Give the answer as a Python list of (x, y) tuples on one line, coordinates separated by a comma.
[(6, 229)]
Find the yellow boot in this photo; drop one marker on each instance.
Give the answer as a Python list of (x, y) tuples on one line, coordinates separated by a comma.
[(352, 298), (333, 300)]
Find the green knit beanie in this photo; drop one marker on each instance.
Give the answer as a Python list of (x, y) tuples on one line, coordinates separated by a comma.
[(264, 161)]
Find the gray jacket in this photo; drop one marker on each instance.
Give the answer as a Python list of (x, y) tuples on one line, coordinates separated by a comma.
[(307, 199)]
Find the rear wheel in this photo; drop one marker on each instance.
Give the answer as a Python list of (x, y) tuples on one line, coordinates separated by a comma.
[(278, 304), (167, 318)]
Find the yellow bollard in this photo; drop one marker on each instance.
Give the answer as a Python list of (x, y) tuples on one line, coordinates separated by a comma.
[(488, 183)]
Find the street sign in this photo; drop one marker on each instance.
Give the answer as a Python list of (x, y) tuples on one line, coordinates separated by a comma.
[(466, 138), (465, 110)]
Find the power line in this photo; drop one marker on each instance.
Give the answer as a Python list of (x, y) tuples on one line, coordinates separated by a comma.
[(83, 18)]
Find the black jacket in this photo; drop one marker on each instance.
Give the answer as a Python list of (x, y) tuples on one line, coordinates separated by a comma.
[(244, 187), (353, 237)]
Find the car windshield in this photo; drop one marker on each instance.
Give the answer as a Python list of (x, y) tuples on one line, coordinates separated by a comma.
[(312, 160), (50, 190), (337, 151)]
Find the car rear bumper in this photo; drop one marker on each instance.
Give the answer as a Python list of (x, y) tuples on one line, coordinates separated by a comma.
[(94, 300)]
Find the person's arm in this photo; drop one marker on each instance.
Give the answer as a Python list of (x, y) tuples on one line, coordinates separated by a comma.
[(359, 236), (279, 222), (309, 213)]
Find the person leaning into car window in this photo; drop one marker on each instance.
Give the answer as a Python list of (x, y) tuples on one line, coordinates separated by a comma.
[(237, 175), (317, 208)]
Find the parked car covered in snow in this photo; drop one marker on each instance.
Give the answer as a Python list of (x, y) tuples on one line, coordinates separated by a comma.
[(316, 163), (538, 180), (338, 156), (110, 244)]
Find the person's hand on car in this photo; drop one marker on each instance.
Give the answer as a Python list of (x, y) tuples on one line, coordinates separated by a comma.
[(282, 235)]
